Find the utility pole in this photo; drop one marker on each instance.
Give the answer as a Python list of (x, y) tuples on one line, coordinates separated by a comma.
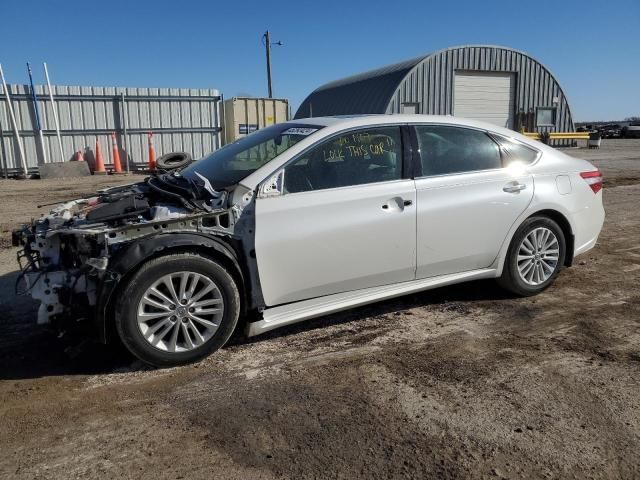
[(266, 38), (267, 45)]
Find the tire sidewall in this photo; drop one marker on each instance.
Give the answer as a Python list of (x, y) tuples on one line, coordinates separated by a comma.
[(151, 271), (516, 283), (173, 161)]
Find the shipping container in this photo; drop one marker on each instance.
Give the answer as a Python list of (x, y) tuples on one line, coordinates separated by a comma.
[(243, 115)]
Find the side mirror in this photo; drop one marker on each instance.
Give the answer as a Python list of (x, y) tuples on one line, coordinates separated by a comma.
[(273, 186)]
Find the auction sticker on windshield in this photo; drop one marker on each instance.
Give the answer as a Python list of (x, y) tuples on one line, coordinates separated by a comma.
[(299, 131)]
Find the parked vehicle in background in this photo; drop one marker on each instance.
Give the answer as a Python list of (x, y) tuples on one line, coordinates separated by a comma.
[(305, 218), (612, 130), (632, 130), (587, 128)]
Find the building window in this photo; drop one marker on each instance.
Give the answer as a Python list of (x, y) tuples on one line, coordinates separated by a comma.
[(546, 117), (410, 108)]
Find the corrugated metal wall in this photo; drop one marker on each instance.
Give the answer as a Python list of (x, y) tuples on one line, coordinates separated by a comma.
[(430, 82), (366, 92), (181, 120)]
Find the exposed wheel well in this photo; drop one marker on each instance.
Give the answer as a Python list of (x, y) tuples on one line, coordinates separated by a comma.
[(564, 224), (226, 262), (211, 253)]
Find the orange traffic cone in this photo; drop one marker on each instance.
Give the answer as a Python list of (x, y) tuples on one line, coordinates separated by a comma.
[(117, 167), (79, 157), (99, 170), (152, 153)]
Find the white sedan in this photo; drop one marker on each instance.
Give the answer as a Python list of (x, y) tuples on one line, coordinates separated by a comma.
[(309, 217)]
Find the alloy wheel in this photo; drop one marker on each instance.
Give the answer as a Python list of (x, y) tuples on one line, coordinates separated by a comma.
[(538, 256), (180, 311)]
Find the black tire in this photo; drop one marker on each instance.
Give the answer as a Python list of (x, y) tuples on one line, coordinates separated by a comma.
[(127, 307), (511, 279), (174, 160)]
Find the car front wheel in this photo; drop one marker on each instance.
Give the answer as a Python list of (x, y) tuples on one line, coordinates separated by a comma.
[(535, 256), (177, 308)]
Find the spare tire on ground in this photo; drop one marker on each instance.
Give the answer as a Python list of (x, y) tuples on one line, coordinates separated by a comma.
[(172, 161)]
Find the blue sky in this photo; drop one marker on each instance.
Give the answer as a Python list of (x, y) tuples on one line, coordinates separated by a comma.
[(593, 47)]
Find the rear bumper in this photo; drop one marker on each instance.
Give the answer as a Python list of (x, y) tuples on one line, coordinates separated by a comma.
[(588, 224), (586, 247)]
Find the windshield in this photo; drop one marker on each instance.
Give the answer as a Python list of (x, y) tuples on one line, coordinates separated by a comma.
[(235, 161)]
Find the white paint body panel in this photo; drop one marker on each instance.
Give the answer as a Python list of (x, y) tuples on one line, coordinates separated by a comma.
[(463, 219), (317, 243), (563, 183), (485, 96), (587, 214), (287, 314), (328, 250)]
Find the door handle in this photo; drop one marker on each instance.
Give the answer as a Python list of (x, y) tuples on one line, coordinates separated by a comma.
[(514, 187), (397, 204)]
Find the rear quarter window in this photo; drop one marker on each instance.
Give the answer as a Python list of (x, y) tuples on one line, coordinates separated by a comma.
[(514, 151)]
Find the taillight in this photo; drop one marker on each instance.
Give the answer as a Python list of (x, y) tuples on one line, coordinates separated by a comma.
[(594, 179)]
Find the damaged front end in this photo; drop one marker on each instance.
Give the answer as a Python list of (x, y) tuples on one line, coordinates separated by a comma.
[(73, 259)]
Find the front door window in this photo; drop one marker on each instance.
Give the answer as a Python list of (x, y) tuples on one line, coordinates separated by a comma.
[(355, 158)]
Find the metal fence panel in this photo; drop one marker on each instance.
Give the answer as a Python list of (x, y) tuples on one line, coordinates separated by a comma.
[(180, 119)]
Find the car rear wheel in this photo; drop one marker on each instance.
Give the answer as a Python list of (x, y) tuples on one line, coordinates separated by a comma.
[(535, 256), (177, 308)]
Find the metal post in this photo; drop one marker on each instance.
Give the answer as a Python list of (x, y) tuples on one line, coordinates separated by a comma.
[(125, 137), (16, 132), (3, 152), (246, 115), (219, 121), (267, 45), (37, 114), (55, 112)]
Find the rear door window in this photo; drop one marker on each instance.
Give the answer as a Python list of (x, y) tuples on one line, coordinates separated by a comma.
[(448, 149)]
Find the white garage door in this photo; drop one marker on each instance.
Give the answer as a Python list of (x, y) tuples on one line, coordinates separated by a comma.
[(485, 96)]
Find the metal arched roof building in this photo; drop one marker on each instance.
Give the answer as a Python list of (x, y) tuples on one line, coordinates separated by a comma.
[(496, 84)]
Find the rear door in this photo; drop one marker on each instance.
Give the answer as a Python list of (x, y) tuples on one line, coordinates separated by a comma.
[(467, 200), (345, 219)]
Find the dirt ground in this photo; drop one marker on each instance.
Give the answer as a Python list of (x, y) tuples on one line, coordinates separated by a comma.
[(459, 382)]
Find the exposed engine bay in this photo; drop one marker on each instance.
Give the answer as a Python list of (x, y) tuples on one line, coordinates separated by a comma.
[(73, 259)]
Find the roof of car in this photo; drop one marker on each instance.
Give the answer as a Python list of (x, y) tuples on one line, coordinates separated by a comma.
[(348, 121), (372, 119), (334, 125)]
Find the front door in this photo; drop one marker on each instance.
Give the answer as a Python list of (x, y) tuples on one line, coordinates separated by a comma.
[(346, 220)]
